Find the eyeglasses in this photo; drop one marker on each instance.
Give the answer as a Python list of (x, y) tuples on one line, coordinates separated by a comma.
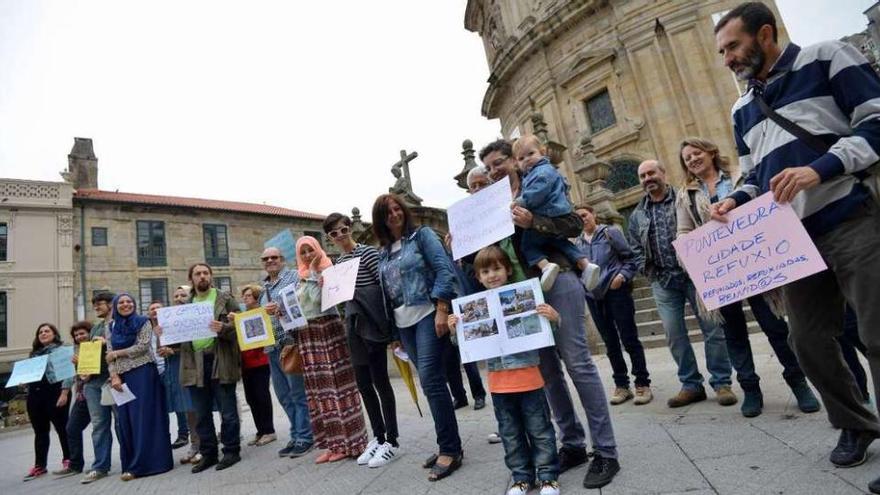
[(340, 232), (270, 258)]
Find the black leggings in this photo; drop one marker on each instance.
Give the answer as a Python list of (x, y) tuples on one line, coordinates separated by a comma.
[(41, 400), (372, 378)]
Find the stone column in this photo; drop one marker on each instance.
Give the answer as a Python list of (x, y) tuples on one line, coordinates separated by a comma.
[(592, 173)]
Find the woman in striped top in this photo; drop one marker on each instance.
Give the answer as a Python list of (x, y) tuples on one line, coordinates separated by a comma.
[(368, 332)]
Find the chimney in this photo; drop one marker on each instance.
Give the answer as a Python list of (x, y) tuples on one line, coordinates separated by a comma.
[(82, 164)]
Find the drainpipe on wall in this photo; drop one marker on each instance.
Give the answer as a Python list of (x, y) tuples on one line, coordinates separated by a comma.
[(82, 257)]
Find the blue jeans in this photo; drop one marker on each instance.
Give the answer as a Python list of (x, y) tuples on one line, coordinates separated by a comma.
[(291, 393), (534, 247), (670, 305), (614, 317), (203, 399), (529, 440), (102, 438), (77, 421), (740, 350), (426, 349), (567, 297)]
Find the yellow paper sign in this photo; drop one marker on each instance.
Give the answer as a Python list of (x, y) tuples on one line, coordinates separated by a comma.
[(254, 329), (89, 360)]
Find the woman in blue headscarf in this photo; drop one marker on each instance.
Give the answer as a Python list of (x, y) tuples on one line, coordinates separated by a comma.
[(142, 424)]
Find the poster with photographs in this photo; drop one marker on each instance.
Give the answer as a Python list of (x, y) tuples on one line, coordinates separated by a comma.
[(501, 322), (291, 314), (254, 329)]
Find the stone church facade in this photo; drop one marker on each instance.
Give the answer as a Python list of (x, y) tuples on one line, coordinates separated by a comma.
[(607, 84)]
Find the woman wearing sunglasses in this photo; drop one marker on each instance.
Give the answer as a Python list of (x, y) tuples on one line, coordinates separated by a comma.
[(368, 331)]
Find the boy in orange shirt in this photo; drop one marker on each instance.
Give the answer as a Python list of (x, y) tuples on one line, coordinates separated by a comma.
[(518, 396)]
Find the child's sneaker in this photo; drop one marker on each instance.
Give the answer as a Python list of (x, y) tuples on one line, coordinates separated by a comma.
[(590, 276), (35, 472), (519, 488), (548, 276), (384, 455), (549, 488), (369, 452), (494, 438)]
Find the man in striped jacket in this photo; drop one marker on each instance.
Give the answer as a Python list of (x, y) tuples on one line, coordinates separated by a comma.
[(829, 90)]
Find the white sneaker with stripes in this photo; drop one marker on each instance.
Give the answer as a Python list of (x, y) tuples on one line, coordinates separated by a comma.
[(369, 452), (384, 455)]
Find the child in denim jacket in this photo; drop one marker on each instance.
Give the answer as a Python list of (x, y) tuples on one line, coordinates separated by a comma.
[(544, 192), (518, 395)]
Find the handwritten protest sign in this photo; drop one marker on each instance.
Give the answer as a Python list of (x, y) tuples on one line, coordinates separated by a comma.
[(762, 246), (285, 243), (186, 322), (480, 219), (339, 283), (501, 322), (254, 329), (291, 313), (89, 359), (28, 371), (61, 361)]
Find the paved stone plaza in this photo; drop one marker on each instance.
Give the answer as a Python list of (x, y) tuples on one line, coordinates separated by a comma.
[(698, 450)]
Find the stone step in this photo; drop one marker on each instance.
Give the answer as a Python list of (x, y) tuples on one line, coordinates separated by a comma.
[(642, 292), (652, 314), (659, 340), (645, 303)]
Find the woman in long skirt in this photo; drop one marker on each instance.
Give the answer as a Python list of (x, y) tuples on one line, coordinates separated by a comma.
[(142, 424), (331, 389)]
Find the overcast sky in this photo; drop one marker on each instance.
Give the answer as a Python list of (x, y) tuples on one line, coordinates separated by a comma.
[(300, 104)]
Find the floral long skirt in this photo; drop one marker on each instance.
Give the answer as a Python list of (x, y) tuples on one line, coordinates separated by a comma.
[(334, 402)]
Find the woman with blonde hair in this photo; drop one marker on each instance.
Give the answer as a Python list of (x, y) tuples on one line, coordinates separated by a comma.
[(709, 180)]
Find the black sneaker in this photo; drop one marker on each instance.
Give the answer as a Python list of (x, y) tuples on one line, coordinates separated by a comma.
[(285, 452), (203, 464), (458, 404), (852, 447), (874, 486), (479, 403), (570, 457), (301, 448), (227, 461), (600, 472)]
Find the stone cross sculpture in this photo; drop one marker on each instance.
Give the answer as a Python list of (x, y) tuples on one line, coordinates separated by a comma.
[(403, 186)]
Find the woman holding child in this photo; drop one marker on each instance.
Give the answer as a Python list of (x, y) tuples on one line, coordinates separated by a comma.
[(418, 280)]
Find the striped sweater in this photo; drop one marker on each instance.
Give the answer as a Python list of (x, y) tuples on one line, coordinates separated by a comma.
[(830, 90)]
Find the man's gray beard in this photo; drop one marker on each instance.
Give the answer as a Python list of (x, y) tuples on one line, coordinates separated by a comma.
[(755, 64)]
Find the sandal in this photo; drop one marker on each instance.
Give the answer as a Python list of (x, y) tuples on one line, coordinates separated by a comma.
[(439, 472), (430, 461)]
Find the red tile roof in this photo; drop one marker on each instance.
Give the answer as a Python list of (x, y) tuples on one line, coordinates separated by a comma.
[(206, 204)]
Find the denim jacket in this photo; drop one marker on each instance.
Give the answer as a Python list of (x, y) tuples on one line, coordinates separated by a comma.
[(544, 191), (608, 249), (514, 361), (426, 272), (645, 257)]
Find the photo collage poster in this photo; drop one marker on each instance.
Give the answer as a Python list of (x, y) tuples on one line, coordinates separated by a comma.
[(291, 313), (501, 322)]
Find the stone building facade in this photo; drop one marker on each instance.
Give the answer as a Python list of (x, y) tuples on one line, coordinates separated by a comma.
[(607, 84), (144, 244), (36, 263)]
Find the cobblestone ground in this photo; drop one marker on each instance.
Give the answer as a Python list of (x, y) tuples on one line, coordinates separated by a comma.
[(700, 449)]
